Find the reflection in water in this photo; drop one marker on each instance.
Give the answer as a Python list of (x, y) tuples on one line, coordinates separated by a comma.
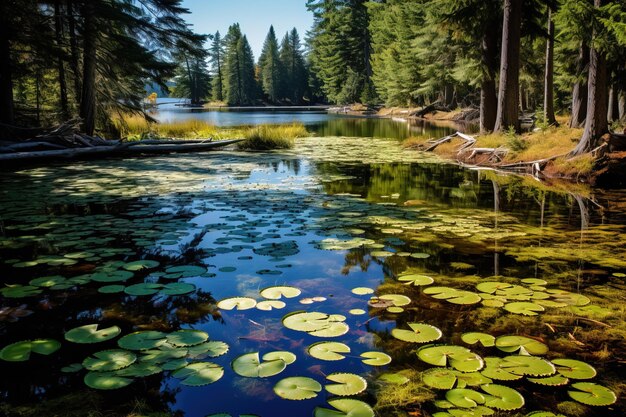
[(255, 220)]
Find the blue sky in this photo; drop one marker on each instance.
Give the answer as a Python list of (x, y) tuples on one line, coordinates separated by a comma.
[(254, 16)]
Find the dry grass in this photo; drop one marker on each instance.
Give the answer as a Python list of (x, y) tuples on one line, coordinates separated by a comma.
[(137, 127), (268, 137)]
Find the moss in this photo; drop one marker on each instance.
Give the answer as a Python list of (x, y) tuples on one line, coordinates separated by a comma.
[(572, 409), (413, 394)]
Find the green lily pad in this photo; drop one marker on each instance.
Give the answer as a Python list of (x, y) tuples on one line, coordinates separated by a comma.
[(269, 305), (398, 300), (212, 349), (186, 338), (139, 370), (328, 351), (551, 381), (419, 333), (465, 398), (396, 378), (198, 374), (91, 334), (574, 369), (416, 280), (524, 308), (344, 407), (276, 293), (453, 295), (106, 380), (297, 388), (20, 351), (237, 303), (20, 291), (528, 366), (143, 289), (250, 365), (457, 357), (178, 288), (494, 369), (543, 414), (362, 291), (484, 339), (111, 289), (109, 360), (492, 286), (111, 276), (502, 398), (143, 340), (359, 312), (316, 323), (569, 298), (592, 394), (440, 378), (346, 384), (376, 358), (184, 271), (72, 368), (523, 345), (140, 265), (48, 282)]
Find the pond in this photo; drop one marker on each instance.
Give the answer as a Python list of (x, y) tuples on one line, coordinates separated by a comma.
[(318, 122), (346, 274)]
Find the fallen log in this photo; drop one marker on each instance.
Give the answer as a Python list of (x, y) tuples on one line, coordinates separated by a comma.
[(431, 108), (121, 149)]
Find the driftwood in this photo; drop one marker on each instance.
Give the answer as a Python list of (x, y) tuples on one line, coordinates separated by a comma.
[(65, 142), (431, 108)]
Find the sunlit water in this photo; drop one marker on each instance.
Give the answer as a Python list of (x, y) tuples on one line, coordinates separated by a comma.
[(329, 216)]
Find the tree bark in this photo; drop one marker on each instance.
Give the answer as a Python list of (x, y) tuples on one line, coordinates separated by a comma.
[(548, 94), (7, 110), (58, 31), (622, 105), (488, 94), (74, 65), (596, 124), (88, 97), (508, 92), (613, 106), (579, 92)]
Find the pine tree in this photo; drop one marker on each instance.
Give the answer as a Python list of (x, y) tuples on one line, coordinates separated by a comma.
[(295, 71), (216, 55), (271, 68)]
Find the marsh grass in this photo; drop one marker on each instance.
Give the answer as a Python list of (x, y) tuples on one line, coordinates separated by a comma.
[(267, 137), (137, 127)]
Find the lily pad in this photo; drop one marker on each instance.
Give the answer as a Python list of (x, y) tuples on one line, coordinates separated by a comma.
[(523, 345), (186, 338), (457, 357), (443, 378), (109, 360), (502, 398), (111, 289), (527, 366), (396, 378), (524, 308), (328, 351), (419, 333), (416, 280), (198, 374), (316, 323), (297, 388), (551, 381), (362, 291), (184, 271), (20, 291), (484, 339), (574, 369), (20, 351), (276, 293), (143, 340), (251, 366), (344, 407), (212, 349), (139, 370), (397, 300), (143, 289), (592, 394), (140, 265), (91, 334), (106, 380), (495, 369), (72, 368), (346, 384), (177, 288), (111, 276), (376, 358), (453, 295), (237, 303), (465, 398)]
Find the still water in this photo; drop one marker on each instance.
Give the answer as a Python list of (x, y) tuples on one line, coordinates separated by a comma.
[(318, 122), (389, 251)]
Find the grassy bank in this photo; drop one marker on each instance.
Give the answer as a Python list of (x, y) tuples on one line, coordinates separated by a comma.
[(542, 144), (262, 137)]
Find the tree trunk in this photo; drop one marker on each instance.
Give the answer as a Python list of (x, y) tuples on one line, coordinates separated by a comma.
[(88, 96), (71, 26), (488, 95), (596, 123), (7, 111), (523, 98), (58, 30), (548, 93), (613, 106), (579, 92), (508, 93), (622, 105)]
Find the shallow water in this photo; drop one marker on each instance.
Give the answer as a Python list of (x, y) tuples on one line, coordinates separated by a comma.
[(329, 216)]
